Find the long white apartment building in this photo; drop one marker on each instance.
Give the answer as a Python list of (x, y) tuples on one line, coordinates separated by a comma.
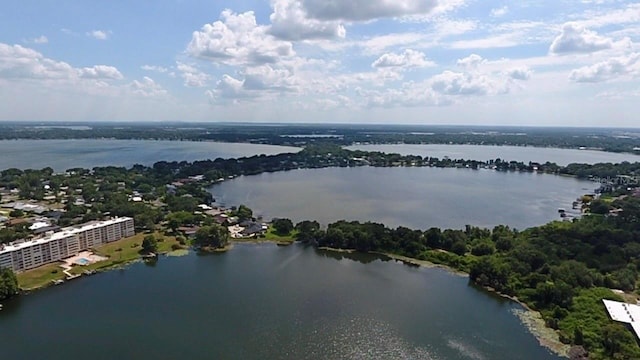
[(68, 242)]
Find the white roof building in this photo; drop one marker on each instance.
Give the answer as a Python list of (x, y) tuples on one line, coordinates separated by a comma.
[(625, 313)]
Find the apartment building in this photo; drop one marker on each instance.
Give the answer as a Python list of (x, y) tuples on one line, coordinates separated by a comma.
[(60, 245)]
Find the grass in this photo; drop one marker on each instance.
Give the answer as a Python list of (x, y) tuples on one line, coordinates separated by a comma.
[(118, 253), (271, 235), (40, 277)]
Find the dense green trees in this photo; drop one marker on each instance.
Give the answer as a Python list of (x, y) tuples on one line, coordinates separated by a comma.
[(8, 284), (213, 236), (243, 212), (150, 244), (282, 226)]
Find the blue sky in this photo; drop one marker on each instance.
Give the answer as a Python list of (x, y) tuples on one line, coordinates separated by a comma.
[(564, 63)]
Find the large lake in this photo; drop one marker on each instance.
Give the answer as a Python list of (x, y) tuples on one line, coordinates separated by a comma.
[(266, 302), (65, 154), (414, 197), (511, 153)]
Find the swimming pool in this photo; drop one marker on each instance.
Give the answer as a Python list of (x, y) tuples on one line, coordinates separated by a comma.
[(82, 261)]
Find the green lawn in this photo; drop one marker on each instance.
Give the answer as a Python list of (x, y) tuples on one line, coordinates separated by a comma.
[(271, 235), (40, 277), (118, 252)]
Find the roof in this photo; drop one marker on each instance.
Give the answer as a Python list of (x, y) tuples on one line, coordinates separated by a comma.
[(625, 313), (65, 233)]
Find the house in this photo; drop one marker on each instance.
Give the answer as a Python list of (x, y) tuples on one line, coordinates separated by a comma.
[(221, 218), (254, 230), (189, 231)]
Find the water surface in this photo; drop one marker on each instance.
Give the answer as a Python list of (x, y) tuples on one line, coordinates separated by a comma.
[(88, 153), (511, 153), (266, 302), (414, 197)]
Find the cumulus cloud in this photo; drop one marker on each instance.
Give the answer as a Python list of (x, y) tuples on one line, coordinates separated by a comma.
[(98, 34), (17, 62), (608, 69), (577, 39), (290, 22), (364, 10), (519, 73), (192, 76), (237, 39), (256, 82), (471, 62), (407, 59), (455, 83), (147, 87), (100, 72)]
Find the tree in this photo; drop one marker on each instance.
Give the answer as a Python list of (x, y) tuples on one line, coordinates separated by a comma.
[(8, 284), (459, 247), (307, 231), (243, 213), (16, 213), (150, 244), (215, 236), (282, 226), (599, 207)]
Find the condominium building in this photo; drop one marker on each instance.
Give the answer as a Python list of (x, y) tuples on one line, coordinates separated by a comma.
[(60, 245)]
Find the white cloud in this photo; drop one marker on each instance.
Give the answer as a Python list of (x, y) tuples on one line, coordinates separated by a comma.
[(629, 14), (291, 22), (407, 59), (237, 39), (256, 82), (100, 72), (17, 62), (608, 70), (577, 39), (147, 87), (519, 73), (499, 12), (455, 83), (470, 62), (192, 76), (99, 34), (229, 88), (447, 27), (155, 68), (364, 10)]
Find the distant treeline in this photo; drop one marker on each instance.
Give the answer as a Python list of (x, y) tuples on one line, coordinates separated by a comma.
[(603, 139)]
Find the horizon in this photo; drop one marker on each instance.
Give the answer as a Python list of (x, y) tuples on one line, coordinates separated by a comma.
[(438, 62)]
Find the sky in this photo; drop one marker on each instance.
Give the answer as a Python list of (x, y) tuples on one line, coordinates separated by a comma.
[(481, 62)]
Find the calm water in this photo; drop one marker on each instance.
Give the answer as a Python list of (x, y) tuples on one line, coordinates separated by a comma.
[(511, 153), (65, 154), (265, 302), (413, 197)]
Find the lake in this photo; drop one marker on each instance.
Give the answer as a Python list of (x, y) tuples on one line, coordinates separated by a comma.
[(415, 197), (65, 154), (267, 302), (512, 153)]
